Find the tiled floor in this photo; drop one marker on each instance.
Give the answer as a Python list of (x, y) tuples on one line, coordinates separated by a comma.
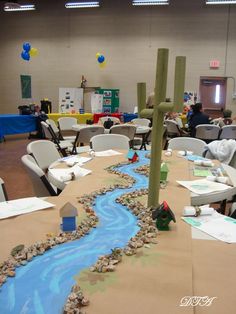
[(12, 172)]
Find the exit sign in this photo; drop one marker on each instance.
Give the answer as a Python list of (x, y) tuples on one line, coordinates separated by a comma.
[(214, 64)]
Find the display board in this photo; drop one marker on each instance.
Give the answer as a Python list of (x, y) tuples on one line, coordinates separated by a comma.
[(25, 86), (111, 100), (70, 99), (96, 103)]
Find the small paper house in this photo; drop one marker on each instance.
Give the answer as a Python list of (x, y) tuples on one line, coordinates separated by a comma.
[(68, 213), (163, 215), (164, 172), (132, 156)]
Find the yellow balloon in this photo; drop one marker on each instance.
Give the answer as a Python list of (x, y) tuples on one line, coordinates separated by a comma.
[(98, 54), (33, 52), (103, 65)]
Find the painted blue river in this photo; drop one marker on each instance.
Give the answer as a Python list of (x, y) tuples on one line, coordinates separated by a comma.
[(42, 286)]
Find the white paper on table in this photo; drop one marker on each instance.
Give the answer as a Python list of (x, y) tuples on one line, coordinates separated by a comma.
[(203, 186), (75, 159), (22, 206), (81, 172), (105, 153), (216, 225), (64, 174)]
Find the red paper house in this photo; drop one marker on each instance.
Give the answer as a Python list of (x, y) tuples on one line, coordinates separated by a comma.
[(132, 156)]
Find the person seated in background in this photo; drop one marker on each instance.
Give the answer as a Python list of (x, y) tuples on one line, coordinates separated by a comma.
[(225, 120), (189, 113), (150, 100), (175, 117), (197, 117)]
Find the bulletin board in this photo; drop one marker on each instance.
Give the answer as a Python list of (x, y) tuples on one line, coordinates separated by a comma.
[(70, 99)]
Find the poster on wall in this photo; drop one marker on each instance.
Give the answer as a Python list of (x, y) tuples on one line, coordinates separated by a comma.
[(96, 103), (190, 98), (70, 99), (25, 86)]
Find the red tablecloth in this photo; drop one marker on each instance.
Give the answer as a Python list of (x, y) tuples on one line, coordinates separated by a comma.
[(97, 116)]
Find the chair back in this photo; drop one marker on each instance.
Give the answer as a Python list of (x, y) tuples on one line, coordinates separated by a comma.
[(141, 121), (207, 131), (124, 129), (109, 141), (53, 125), (3, 192), (41, 185), (115, 120), (172, 128), (44, 152), (228, 132), (65, 123), (86, 133), (195, 145), (49, 132)]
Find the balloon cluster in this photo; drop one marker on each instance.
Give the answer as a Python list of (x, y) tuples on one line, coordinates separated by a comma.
[(28, 52), (101, 60)]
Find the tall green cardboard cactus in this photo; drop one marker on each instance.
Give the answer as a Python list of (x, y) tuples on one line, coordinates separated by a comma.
[(157, 113)]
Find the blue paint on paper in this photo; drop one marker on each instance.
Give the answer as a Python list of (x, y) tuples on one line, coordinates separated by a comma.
[(42, 286)]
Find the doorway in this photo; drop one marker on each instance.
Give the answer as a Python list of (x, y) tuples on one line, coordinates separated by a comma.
[(213, 95)]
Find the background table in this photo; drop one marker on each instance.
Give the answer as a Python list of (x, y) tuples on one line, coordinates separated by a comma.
[(16, 124), (81, 117), (97, 116), (129, 116)]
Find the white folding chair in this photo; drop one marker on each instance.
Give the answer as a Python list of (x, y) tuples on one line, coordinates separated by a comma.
[(65, 123), (42, 187), (84, 135), (173, 129), (62, 145), (109, 141), (124, 129), (3, 192), (187, 143), (207, 132), (141, 122), (115, 120), (228, 132), (44, 152), (61, 134)]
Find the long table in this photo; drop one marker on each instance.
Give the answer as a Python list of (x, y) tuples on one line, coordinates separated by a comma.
[(16, 124), (81, 117), (157, 278)]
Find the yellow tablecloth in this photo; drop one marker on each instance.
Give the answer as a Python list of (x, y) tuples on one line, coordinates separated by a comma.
[(81, 118)]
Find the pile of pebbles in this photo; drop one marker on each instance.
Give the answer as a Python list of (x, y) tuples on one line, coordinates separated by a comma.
[(144, 170), (75, 301)]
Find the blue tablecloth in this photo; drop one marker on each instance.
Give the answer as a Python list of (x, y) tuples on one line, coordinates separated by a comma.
[(129, 116), (16, 124)]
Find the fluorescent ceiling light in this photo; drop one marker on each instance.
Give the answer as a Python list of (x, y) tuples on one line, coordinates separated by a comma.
[(78, 5), (150, 2), (220, 1), (12, 6)]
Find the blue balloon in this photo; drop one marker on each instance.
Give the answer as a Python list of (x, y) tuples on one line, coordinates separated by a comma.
[(101, 59), (27, 47), (25, 55)]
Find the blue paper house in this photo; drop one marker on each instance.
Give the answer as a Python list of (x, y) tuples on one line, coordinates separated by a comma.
[(68, 213)]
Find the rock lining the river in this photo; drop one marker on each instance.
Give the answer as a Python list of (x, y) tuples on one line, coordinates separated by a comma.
[(75, 301)]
